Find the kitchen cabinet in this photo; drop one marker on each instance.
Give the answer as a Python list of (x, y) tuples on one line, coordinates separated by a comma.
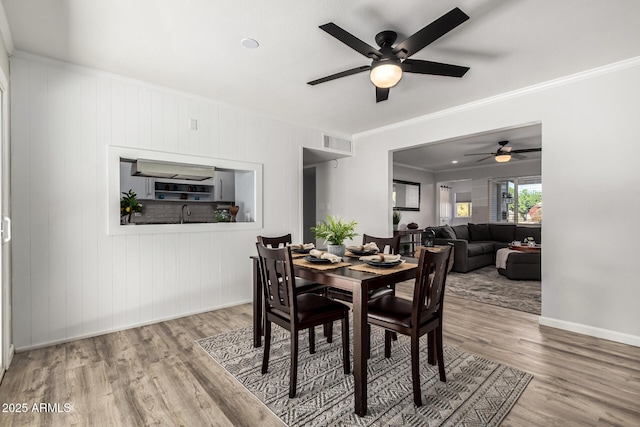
[(142, 186), (225, 183)]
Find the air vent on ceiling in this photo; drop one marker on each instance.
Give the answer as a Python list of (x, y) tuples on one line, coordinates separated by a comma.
[(338, 144)]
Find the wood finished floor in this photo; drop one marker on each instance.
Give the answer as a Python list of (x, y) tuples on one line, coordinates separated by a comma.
[(158, 375)]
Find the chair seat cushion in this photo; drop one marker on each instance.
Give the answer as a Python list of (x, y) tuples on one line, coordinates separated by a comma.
[(314, 308), (394, 310)]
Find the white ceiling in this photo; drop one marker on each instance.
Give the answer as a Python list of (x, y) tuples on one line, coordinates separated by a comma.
[(194, 46), (438, 157)]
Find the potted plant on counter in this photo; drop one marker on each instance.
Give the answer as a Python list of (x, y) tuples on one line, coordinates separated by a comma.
[(334, 231), (129, 205), (397, 216)]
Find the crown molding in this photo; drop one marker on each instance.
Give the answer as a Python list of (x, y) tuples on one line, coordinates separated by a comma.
[(5, 31), (561, 81)]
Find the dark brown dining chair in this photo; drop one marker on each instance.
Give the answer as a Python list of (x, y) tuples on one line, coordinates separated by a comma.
[(415, 318), (382, 242), (302, 285), (294, 311)]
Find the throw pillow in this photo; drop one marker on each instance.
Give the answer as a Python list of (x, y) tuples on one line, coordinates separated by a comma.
[(479, 232), (447, 232), (461, 231), (505, 233)]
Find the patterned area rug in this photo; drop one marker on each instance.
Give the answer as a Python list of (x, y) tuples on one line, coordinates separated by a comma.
[(478, 392), (488, 286)]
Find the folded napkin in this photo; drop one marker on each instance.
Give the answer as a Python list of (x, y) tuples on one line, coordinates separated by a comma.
[(325, 255), (368, 247), (303, 246), (380, 258)]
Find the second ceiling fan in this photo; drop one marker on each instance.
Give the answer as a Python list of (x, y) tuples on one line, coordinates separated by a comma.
[(389, 62)]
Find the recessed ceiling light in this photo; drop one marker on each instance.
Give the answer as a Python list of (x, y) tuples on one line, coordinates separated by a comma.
[(249, 43), (454, 161)]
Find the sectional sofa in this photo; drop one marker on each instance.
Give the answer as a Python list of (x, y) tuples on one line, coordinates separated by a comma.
[(475, 246)]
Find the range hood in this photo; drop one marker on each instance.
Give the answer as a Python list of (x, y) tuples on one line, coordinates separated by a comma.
[(156, 169)]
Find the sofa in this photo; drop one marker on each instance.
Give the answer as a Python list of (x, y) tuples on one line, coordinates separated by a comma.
[(475, 245)]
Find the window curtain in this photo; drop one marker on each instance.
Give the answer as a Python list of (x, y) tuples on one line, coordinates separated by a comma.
[(445, 204)]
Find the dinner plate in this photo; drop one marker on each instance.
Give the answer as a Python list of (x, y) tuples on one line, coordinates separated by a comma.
[(385, 264), (301, 251), (360, 253), (316, 260)]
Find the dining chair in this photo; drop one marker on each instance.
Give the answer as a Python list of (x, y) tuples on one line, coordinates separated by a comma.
[(422, 315), (302, 285), (294, 311), (393, 243)]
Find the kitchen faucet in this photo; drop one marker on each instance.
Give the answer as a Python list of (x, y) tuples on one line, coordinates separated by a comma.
[(182, 213)]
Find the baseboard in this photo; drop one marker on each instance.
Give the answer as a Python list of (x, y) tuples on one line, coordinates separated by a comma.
[(591, 331), (124, 328)]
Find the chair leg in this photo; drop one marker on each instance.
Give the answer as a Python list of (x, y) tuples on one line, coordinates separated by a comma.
[(387, 343), (415, 369), (431, 349), (345, 344), (394, 336), (312, 340), (293, 374), (440, 350), (368, 341), (329, 334), (267, 346)]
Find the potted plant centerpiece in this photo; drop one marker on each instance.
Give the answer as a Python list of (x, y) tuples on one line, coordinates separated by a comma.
[(334, 231)]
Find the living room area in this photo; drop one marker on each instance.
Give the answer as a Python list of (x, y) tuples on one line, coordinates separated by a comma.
[(463, 195)]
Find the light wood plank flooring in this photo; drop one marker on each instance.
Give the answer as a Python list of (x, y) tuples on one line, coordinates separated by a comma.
[(158, 375)]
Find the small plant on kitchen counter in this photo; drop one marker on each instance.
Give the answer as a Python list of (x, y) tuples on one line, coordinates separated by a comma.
[(129, 204)]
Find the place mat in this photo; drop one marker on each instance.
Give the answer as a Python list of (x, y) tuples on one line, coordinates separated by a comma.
[(295, 255), (318, 266), (384, 271)]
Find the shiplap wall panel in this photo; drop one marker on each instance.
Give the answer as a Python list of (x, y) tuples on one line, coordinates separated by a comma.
[(38, 219), (57, 190), (71, 279)]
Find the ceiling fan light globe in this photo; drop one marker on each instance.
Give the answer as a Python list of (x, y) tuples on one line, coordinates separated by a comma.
[(385, 75), (503, 158)]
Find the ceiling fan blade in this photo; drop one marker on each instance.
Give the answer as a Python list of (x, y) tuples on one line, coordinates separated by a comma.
[(527, 150), (352, 41), (435, 68), (480, 154), (340, 74), (485, 158), (382, 94), (430, 33)]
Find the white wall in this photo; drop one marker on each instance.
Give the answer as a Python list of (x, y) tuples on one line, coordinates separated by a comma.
[(70, 278), (589, 276)]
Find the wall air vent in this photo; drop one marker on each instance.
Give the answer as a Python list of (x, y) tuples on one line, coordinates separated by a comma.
[(338, 144)]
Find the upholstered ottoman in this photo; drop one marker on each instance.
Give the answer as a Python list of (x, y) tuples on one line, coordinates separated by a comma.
[(522, 266)]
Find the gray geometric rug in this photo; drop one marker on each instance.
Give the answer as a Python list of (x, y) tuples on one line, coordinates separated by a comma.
[(488, 286), (478, 392)]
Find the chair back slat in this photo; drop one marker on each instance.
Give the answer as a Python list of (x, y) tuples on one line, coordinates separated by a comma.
[(430, 284), (383, 242), (275, 242), (278, 281)]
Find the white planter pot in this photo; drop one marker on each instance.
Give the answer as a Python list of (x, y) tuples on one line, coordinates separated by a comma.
[(336, 249)]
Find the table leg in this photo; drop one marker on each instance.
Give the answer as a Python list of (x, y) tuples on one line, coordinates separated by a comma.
[(257, 305), (360, 349)]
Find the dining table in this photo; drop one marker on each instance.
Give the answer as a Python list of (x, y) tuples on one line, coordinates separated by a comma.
[(350, 275)]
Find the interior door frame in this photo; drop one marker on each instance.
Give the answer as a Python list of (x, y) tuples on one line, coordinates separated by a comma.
[(6, 342)]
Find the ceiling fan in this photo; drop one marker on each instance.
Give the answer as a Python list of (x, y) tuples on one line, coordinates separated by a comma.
[(389, 62), (504, 153)]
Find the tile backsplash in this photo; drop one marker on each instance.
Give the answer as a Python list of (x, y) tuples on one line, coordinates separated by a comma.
[(169, 212)]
